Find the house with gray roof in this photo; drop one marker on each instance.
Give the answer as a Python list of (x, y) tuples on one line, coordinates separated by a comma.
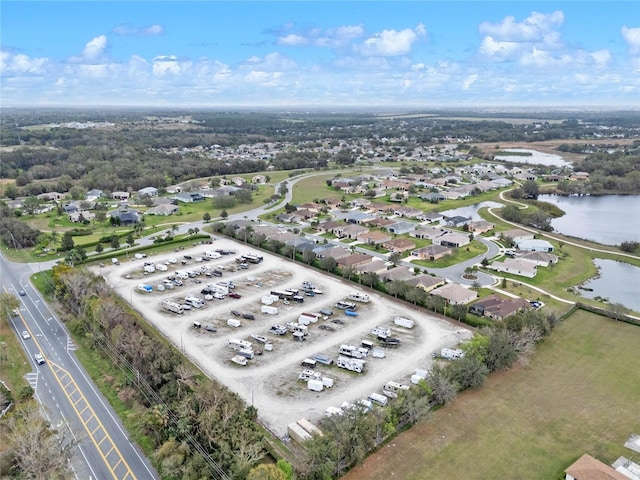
[(401, 227), (148, 192), (163, 209), (455, 294), (430, 252), (516, 267), (452, 239), (399, 273)]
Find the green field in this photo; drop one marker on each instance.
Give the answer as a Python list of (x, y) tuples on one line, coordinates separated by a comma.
[(579, 394)]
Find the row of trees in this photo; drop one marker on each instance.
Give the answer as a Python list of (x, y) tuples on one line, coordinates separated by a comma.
[(184, 411), (347, 439)]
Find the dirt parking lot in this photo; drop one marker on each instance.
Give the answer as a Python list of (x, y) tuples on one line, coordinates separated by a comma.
[(270, 380)]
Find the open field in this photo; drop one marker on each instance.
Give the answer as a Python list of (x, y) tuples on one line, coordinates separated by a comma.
[(580, 394), (270, 380)]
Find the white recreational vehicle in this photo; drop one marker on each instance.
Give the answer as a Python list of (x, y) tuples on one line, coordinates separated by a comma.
[(359, 297)]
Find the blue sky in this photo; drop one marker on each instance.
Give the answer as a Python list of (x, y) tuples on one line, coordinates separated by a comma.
[(414, 54)]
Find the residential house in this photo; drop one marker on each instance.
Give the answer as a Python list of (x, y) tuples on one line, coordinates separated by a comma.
[(312, 207), (589, 468), (336, 252), (481, 226), (455, 294), (432, 217), (579, 176), (457, 222), (161, 201), (122, 196), (535, 245), (433, 197), (188, 197), (81, 216), (285, 218), (349, 231), (517, 234), (354, 260), (259, 179), (163, 209), (359, 217), (51, 196), (399, 245), (238, 181), (93, 195), (408, 212), (516, 267), (267, 230), (374, 237), (430, 252), (452, 239), (541, 259), (376, 266), (497, 307), (126, 217), (401, 227), (148, 192), (399, 273), (381, 222), (381, 207), (301, 215), (360, 203), (71, 207), (428, 232), (426, 282), (329, 226)]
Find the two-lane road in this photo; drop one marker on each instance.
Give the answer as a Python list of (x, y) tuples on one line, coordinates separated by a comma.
[(70, 400)]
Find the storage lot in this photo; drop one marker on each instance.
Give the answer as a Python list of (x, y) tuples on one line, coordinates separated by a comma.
[(270, 381)]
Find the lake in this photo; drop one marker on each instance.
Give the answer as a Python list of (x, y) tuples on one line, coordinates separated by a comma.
[(606, 219), (470, 211), (533, 157), (618, 282)]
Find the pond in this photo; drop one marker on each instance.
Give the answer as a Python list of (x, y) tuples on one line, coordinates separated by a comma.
[(470, 211), (605, 219), (533, 157), (617, 281)]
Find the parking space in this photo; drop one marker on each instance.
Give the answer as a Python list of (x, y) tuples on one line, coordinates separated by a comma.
[(269, 380)]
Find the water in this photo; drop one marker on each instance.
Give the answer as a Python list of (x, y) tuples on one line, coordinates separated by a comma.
[(470, 211), (605, 219), (618, 282), (536, 158)]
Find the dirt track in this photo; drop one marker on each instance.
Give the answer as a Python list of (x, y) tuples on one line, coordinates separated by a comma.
[(270, 381)]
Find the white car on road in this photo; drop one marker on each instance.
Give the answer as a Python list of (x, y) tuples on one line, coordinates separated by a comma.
[(26, 335)]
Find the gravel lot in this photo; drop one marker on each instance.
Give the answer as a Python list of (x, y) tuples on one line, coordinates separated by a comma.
[(270, 381)]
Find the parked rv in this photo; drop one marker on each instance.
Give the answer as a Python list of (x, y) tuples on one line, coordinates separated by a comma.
[(392, 389), (403, 322), (352, 364), (379, 399), (359, 297)]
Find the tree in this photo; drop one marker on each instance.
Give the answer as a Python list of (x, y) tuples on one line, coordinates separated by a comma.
[(459, 312), (224, 214), (397, 288), (67, 243), (38, 451), (395, 258), (101, 216), (8, 303), (530, 189), (468, 372), (308, 256), (206, 217), (370, 279), (283, 189), (11, 191), (266, 472), (99, 248), (115, 242), (415, 295), (130, 239), (31, 205), (442, 389), (618, 311), (328, 263)]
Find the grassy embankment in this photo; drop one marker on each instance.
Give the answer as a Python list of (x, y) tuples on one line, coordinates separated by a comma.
[(578, 395)]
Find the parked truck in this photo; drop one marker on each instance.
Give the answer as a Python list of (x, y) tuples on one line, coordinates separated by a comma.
[(342, 305), (352, 364), (174, 307), (115, 261)]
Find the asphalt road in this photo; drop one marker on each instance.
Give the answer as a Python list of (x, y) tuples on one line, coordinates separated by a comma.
[(69, 398)]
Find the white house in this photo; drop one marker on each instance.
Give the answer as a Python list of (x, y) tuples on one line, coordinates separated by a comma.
[(516, 267), (535, 245)]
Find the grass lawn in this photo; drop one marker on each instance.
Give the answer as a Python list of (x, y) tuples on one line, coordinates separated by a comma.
[(13, 362), (578, 395)]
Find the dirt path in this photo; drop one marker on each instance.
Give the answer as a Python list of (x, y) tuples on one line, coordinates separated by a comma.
[(270, 381)]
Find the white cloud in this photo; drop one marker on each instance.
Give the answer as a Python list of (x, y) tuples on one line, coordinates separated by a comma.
[(632, 37), (21, 64), (535, 28), (293, 40), (470, 80), (601, 57), (389, 43), (166, 65), (349, 31), (128, 30), (95, 48), (272, 62), (498, 50), (93, 51)]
